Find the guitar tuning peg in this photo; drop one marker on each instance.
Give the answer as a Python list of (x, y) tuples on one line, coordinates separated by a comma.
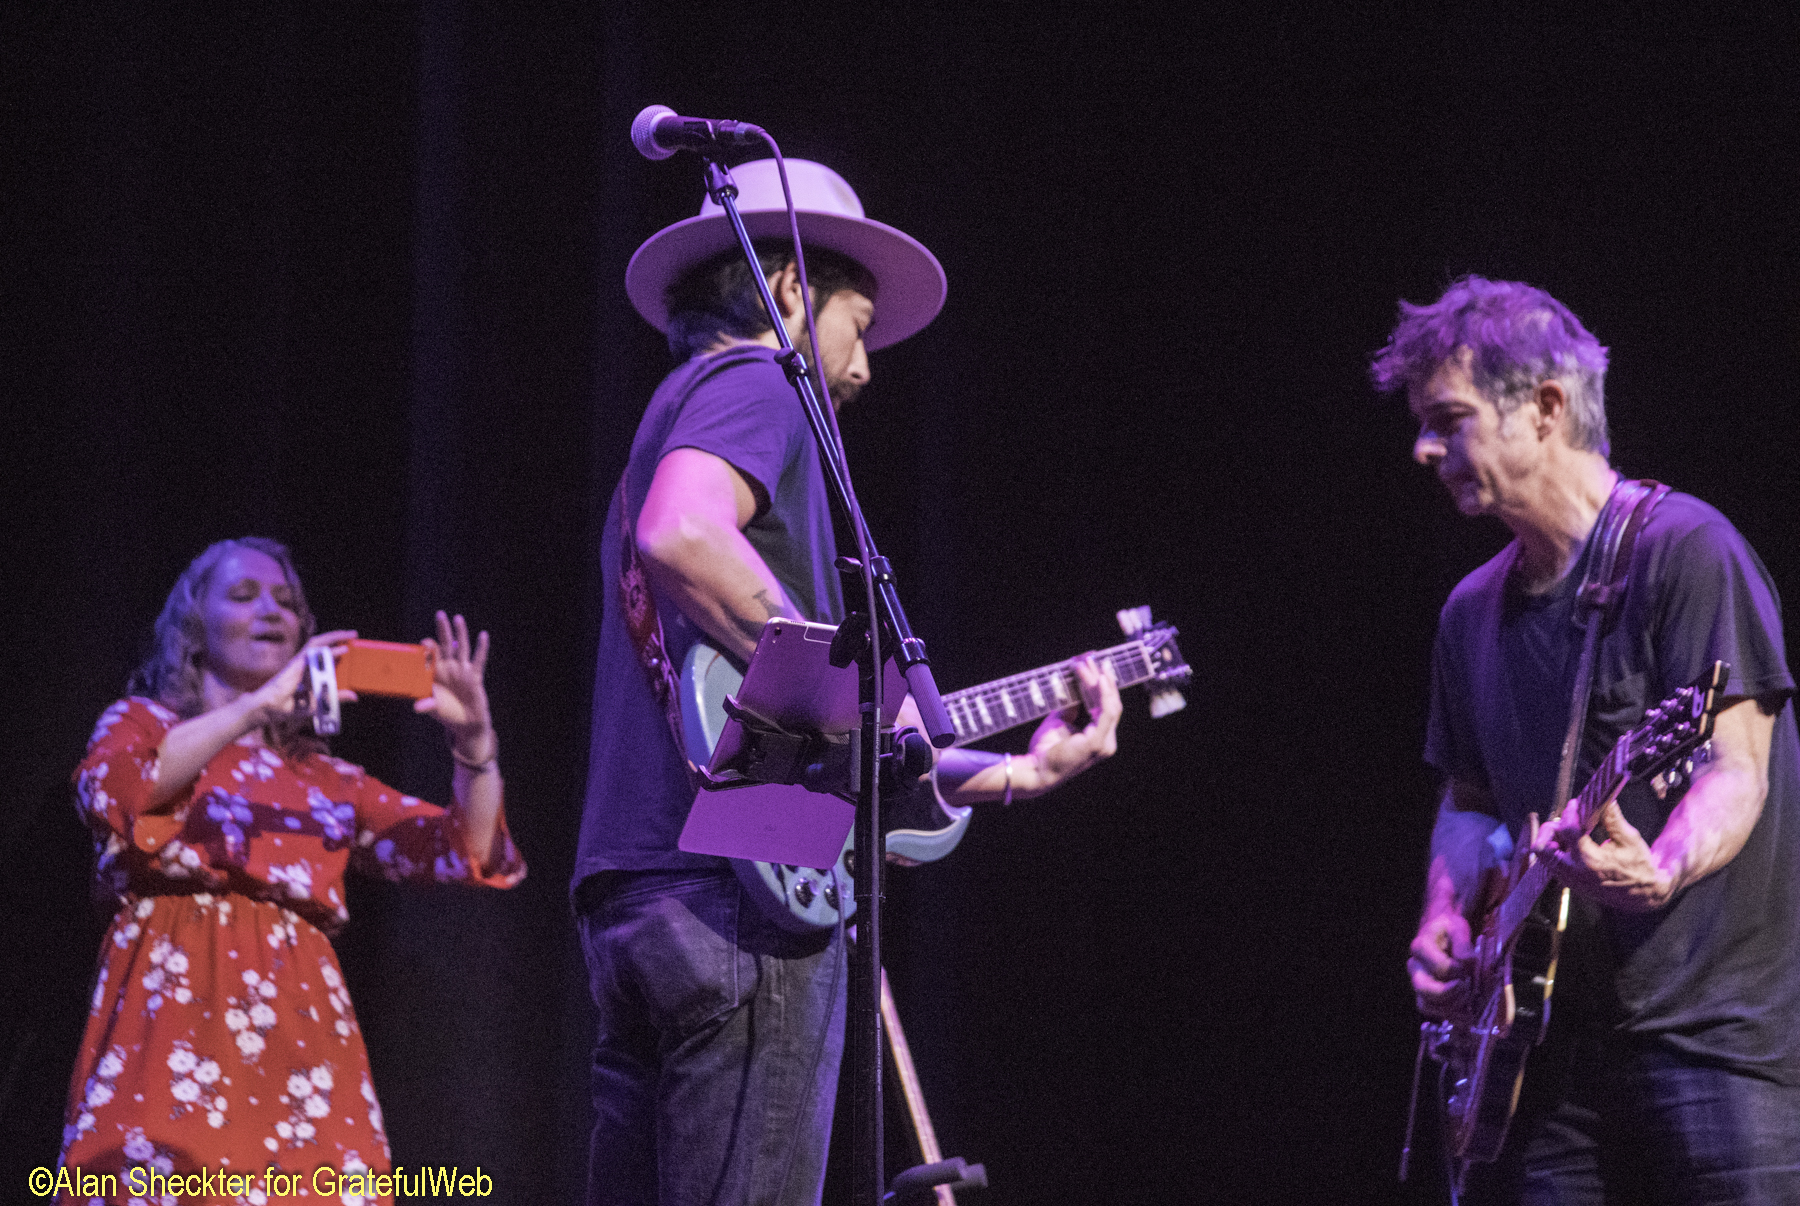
[(1134, 620), (1165, 701)]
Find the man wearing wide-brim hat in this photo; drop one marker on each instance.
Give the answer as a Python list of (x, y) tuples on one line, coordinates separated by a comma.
[(720, 1031)]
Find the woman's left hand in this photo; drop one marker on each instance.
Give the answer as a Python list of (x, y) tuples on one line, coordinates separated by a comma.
[(458, 697)]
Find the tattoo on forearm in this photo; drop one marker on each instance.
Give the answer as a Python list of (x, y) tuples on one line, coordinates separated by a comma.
[(752, 629)]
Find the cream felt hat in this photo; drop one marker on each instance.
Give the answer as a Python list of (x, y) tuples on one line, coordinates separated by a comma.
[(909, 282)]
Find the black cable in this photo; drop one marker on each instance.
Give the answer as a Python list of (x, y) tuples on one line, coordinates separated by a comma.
[(817, 370)]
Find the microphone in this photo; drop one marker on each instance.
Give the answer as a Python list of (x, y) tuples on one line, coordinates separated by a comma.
[(658, 132)]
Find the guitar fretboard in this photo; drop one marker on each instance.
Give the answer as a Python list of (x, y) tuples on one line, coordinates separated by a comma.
[(978, 712)]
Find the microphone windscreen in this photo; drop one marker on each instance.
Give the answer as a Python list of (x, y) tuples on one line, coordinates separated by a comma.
[(643, 132)]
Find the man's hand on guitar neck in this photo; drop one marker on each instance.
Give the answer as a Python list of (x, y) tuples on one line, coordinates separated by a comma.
[(1615, 867), (1059, 750), (1618, 869)]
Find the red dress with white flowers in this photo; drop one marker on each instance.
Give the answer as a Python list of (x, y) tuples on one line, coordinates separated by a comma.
[(220, 1034)]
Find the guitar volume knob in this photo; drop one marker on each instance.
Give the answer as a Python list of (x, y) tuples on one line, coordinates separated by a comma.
[(803, 892)]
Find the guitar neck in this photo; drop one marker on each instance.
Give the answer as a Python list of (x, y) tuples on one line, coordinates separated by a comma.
[(978, 712), (1602, 786)]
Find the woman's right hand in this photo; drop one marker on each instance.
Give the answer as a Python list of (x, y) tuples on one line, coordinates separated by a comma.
[(276, 698), (190, 745)]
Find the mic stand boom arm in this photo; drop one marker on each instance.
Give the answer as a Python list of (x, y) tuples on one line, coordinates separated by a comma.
[(886, 628)]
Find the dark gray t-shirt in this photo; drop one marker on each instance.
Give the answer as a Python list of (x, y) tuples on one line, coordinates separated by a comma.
[(1715, 974), (737, 405)]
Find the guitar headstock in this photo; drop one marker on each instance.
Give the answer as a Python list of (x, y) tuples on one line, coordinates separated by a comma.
[(1676, 726), (1168, 672)]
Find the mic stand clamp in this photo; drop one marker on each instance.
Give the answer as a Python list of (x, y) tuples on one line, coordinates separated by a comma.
[(771, 754)]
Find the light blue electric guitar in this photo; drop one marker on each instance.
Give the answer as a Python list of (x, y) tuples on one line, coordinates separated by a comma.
[(811, 898)]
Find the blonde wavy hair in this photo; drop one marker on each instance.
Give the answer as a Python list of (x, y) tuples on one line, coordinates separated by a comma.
[(170, 674)]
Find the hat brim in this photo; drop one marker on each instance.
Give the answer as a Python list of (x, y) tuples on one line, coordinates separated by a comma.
[(909, 282)]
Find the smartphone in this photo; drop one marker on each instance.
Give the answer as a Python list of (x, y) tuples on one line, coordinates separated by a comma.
[(385, 668)]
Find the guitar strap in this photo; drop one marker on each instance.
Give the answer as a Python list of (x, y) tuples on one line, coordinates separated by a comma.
[(1616, 530), (644, 626)]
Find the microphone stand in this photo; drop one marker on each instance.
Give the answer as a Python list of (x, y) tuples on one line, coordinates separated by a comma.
[(880, 625)]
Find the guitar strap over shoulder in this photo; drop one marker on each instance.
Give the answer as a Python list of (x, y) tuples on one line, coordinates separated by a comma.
[(644, 626), (1616, 530)]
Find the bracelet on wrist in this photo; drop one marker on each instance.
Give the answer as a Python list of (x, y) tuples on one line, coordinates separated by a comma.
[(478, 767)]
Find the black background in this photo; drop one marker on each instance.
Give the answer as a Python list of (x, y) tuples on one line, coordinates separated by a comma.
[(351, 278)]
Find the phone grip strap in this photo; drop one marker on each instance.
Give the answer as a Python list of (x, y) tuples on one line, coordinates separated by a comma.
[(322, 696)]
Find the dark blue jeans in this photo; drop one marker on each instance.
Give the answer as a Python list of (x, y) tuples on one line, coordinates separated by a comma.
[(716, 1061), (1637, 1124)]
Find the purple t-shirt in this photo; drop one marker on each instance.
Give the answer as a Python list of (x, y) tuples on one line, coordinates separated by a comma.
[(1716, 974), (737, 405)]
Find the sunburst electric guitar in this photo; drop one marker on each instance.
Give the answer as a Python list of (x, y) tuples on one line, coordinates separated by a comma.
[(1514, 972), (811, 898)]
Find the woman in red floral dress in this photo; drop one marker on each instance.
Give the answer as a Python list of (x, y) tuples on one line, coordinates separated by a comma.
[(220, 1036)]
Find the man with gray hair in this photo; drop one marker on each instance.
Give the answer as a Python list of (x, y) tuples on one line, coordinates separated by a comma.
[(1671, 1068)]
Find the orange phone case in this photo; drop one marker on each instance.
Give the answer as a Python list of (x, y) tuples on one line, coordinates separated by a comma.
[(385, 668)]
